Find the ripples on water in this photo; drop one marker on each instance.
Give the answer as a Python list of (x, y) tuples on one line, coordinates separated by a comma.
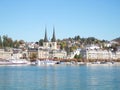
[(59, 78)]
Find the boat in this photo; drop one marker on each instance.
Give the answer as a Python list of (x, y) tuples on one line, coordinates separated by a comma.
[(45, 62), (5, 62), (100, 64), (14, 62), (19, 61)]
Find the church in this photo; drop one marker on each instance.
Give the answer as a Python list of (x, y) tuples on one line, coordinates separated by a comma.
[(49, 49), (50, 44)]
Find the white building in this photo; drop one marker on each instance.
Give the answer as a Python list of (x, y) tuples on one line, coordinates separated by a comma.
[(60, 54), (5, 54), (94, 52), (43, 53), (19, 53), (118, 55), (92, 47)]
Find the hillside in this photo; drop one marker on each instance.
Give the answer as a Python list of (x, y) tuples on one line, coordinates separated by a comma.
[(117, 40)]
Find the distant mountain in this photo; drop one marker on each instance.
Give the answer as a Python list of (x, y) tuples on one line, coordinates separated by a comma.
[(117, 40)]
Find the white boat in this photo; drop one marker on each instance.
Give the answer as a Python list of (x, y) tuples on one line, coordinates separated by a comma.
[(19, 61), (100, 64), (45, 62), (5, 62), (14, 62)]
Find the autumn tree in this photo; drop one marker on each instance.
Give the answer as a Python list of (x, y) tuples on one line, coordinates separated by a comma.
[(16, 44)]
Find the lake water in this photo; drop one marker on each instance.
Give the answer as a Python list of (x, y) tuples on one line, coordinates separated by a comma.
[(59, 78)]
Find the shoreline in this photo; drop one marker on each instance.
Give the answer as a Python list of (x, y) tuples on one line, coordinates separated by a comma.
[(65, 63)]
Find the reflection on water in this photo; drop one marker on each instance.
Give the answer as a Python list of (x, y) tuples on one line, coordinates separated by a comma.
[(59, 78)]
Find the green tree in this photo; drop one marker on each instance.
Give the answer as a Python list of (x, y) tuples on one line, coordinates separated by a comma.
[(73, 48), (63, 45), (78, 56), (78, 37), (9, 42), (41, 42), (4, 41), (1, 44)]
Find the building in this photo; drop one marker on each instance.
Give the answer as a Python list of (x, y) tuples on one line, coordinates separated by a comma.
[(96, 53), (117, 55), (5, 54), (50, 44), (43, 53), (49, 49), (32, 53), (17, 54), (59, 54)]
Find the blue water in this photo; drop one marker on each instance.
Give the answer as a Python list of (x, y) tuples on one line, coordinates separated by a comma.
[(59, 78)]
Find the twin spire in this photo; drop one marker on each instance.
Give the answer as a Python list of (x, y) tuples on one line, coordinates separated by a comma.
[(53, 38), (45, 38)]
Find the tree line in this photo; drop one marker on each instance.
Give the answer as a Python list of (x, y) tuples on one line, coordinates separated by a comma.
[(6, 41), (68, 44), (71, 44)]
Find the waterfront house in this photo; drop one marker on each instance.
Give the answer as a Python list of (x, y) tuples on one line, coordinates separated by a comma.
[(5, 54), (96, 53), (33, 53), (43, 53)]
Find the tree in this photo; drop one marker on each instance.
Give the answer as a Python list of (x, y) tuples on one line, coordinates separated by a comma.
[(73, 48), (4, 41), (63, 45), (41, 42), (78, 37), (67, 49), (9, 42), (16, 44), (21, 42), (33, 56), (1, 44), (78, 56)]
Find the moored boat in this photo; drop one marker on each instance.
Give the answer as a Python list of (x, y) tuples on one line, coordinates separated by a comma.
[(14, 62), (5, 62), (100, 64), (45, 62), (19, 61)]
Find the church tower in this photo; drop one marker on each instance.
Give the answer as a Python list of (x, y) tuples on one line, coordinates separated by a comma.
[(53, 40), (46, 42), (50, 45), (45, 38)]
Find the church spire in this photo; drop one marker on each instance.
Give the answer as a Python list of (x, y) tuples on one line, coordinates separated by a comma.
[(53, 38), (45, 38)]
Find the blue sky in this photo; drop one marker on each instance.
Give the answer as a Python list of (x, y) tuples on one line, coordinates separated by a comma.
[(26, 19)]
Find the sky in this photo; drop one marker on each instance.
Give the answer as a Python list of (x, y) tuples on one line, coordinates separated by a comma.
[(27, 19)]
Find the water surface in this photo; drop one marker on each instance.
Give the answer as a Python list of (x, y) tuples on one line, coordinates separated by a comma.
[(59, 78)]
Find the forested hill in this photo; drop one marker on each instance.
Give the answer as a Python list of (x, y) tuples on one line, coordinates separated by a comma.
[(117, 40)]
